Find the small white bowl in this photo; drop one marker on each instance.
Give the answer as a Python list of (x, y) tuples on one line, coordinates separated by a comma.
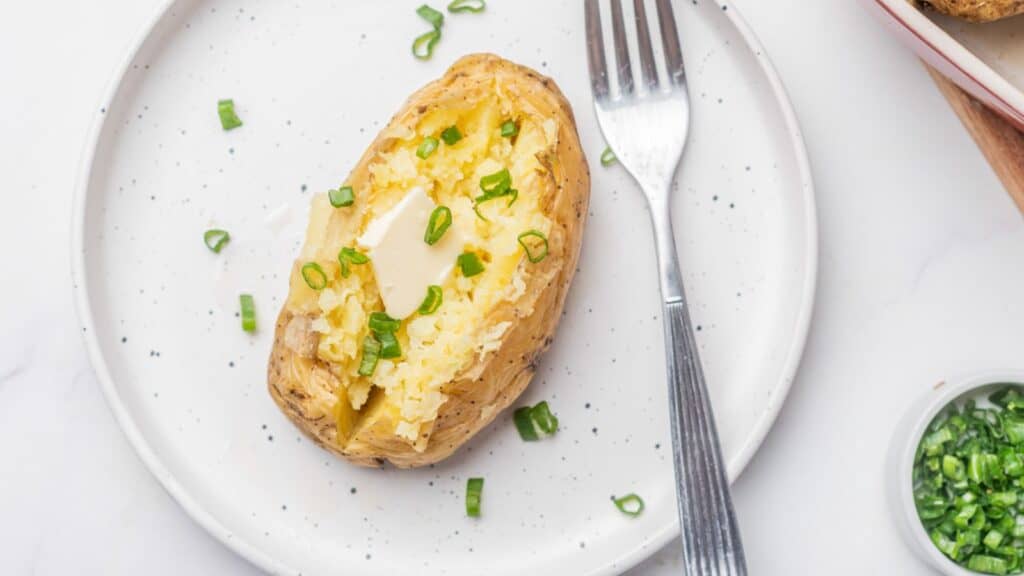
[(904, 445)]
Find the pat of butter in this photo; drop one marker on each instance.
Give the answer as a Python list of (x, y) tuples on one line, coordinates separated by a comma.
[(403, 263)]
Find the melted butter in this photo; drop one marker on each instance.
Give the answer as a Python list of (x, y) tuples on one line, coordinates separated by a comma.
[(403, 263)]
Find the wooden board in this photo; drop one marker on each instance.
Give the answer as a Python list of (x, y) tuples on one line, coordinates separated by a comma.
[(1001, 143)]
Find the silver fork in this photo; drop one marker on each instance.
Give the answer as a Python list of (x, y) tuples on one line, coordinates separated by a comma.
[(646, 124)]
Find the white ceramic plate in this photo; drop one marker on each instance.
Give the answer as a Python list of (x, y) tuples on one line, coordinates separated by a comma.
[(314, 81)]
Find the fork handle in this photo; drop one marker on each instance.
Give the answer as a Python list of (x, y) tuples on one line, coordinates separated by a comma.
[(709, 531)]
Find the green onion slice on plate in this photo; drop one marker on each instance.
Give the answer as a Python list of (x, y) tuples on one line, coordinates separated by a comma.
[(440, 220), (608, 157), (314, 276), (474, 491), (630, 505), (530, 419), (434, 17), (432, 301), (341, 197), (216, 239), (535, 243), (371, 353), (229, 120), (467, 6), (423, 45), (470, 264), (248, 307), (427, 147)]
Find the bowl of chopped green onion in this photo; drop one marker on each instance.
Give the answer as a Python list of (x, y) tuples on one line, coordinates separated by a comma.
[(959, 464)]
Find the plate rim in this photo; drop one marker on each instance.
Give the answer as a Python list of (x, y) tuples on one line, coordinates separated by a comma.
[(253, 553)]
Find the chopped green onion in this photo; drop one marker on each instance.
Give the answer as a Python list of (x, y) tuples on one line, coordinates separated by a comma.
[(423, 45), (543, 418), (435, 18), (467, 6), (381, 323), (229, 120), (248, 312), (432, 301), (967, 483), (630, 505), (479, 214), (389, 346), (474, 490), (608, 157), (494, 185), (371, 353), (530, 419), (427, 147), (988, 565), (451, 135), (341, 197), (535, 250), (470, 264), (314, 276), (350, 256), (509, 129), (524, 424), (215, 239), (440, 220)]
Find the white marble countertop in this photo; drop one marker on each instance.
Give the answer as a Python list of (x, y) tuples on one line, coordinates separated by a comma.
[(920, 278)]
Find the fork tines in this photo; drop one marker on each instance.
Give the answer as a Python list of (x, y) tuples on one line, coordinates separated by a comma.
[(598, 60)]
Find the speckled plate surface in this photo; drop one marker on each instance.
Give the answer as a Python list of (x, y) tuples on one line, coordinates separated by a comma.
[(313, 81)]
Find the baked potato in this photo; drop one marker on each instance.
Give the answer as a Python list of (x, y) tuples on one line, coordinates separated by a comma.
[(975, 10), (468, 360)]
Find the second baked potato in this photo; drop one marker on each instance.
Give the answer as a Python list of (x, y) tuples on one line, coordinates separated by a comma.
[(975, 10)]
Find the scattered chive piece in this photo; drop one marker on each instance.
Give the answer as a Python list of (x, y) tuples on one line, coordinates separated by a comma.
[(248, 312), (389, 346), (451, 135), (524, 424), (229, 120), (341, 197), (434, 17), (530, 419), (467, 6), (215, 239), (967, 481), (350, 256), (608, 157), (630, 505), (543, 418), (432, 301), (476, 208), (440, 220), (496, 184), (371, 353), (427, 147), (474, 489), (535, 252), (509, 129), (381, 323), (314, 276), (423, 45), (470, 264)]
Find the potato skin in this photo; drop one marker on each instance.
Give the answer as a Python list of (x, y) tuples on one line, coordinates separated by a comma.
[(976, 10), (484, 389)]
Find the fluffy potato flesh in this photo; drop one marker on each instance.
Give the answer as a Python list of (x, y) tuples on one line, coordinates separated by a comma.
[(471, 358)]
